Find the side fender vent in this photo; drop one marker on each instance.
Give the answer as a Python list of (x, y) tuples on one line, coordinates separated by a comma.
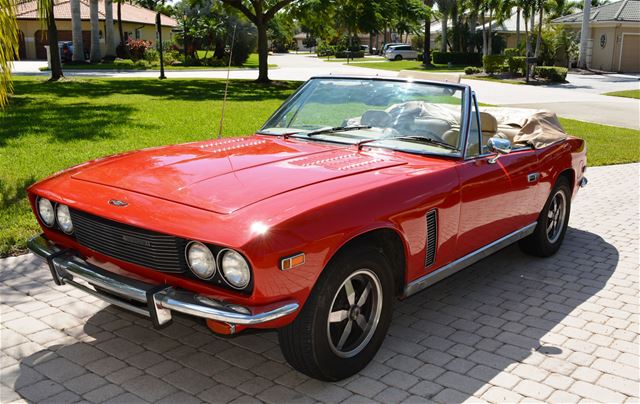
[(432, 238)]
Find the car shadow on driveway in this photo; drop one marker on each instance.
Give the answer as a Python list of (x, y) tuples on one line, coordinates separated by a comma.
[(452, 341)]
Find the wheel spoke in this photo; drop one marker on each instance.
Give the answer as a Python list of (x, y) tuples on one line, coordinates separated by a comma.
[(362, 322), (364, 296), (345, 334), (351, 294), (338, 316)]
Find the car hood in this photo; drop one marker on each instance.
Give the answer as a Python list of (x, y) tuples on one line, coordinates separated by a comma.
[(226, 175)]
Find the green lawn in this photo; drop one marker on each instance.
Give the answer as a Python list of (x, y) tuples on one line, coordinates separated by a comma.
[(51, 126), (626, 93), (605, 144), (408, 65)]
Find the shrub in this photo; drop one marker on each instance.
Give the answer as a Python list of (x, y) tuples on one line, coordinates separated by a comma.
[(345, 54), (151, 55), (472, 70), (552, 73), (511, 52), (137, 48), (324, 48), (456, 58), (493, 63), (123, 64), (517, 64)]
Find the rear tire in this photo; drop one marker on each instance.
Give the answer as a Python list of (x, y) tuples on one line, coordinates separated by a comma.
[(345, 319), (552, 222)]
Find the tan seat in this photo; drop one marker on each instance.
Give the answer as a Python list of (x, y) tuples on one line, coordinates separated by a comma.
[(489, 125)]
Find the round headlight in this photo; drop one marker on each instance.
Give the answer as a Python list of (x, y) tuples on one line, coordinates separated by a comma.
[(201, 260), (45, 210), (64, 218), (235, 269)]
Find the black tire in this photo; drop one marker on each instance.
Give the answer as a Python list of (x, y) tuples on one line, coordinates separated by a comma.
[(308, 342), (544, 242), (398, 58)]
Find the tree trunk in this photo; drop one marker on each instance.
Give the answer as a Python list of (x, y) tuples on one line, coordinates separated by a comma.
[(584, 35), (484, 36), (52, 33), (76, 32), (159, 44), (120, 31), (489, 47), (539, 39), (527, 49), (443, 44), (263, 53), (95, 32), (518, 27), (426, 55), (110, 49)]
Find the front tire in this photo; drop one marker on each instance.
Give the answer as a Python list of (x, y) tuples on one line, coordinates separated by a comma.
[(345, 319), (552, 222), (398, 58)]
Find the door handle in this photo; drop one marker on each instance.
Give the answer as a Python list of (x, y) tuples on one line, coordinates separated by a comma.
[(533, 177)]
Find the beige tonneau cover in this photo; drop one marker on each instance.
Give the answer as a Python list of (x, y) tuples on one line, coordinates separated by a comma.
[(527, 127)]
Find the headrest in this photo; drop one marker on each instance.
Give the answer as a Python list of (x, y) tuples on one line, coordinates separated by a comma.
[(488, 122)]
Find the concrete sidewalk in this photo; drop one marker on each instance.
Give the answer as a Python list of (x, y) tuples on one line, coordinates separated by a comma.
[(511, 328)]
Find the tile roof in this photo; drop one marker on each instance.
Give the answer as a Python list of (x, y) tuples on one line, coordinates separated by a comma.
[(620, 11), (27, 10)]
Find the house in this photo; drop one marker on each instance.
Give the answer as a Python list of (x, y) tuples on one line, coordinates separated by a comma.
[(508, 29), (137, 23), (614, 35)]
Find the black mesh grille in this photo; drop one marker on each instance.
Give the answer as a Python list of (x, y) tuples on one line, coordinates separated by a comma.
[(127, 243), (432, 238)]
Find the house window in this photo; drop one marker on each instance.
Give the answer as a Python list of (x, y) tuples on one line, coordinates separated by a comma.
[(137, 33)]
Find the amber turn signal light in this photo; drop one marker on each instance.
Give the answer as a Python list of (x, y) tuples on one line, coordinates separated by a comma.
[(292, 262)]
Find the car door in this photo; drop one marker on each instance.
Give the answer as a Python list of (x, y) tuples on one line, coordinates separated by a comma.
[(497, 196)]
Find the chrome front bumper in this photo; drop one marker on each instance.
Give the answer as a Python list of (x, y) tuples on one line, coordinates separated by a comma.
[(153, 301)]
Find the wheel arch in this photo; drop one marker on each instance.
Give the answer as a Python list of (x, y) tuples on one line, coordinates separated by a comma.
[(570, 175), (391, 245)]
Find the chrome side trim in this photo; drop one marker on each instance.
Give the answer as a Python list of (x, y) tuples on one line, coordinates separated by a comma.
[(147, 299), (469, 259)]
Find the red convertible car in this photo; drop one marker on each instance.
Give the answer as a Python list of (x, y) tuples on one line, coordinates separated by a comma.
[(357, 191)]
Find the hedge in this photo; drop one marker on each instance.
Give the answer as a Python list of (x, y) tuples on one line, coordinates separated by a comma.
[(551, 73), (456, 58), (352, 54), (517, 64), (123, 64), (493, 63)]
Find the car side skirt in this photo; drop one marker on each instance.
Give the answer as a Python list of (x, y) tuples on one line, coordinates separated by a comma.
[(469, 259)]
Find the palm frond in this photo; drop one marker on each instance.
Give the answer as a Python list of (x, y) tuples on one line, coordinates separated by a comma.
[(8, 47)]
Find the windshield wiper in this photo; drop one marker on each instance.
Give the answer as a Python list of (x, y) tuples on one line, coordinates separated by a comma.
[(423, 139), (336, 129)]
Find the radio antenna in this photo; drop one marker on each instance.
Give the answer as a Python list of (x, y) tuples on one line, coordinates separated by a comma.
[(226, 86)]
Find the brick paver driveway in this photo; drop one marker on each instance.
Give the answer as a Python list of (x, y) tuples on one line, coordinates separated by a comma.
[(511, 327)]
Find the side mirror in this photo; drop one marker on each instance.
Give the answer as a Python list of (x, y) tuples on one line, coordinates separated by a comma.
[(499, 146)]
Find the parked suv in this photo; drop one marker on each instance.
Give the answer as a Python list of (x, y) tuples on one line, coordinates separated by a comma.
[(399, 52)]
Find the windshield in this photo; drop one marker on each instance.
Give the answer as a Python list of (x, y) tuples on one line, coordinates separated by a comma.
[(408, 116)]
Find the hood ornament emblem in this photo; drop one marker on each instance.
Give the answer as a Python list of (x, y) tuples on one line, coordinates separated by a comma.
[(117, 202)]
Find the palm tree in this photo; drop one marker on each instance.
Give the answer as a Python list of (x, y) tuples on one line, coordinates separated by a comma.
[(46, 14), (426, 56), (584, 34), (94, 56), (8, 48), (444, 6), (76, 31), (110, 48)]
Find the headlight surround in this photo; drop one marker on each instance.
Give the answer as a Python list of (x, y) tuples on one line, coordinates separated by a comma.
[(234, 268), (46, 212), (64, 218), (200, 260)]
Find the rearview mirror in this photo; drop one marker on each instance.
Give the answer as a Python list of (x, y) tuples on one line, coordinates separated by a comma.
[(499, 146)]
